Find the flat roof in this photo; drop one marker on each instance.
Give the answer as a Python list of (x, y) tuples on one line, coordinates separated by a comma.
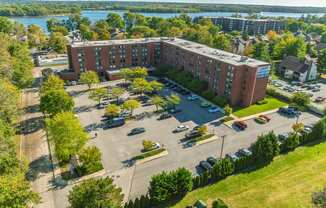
[(243, 18), (220, 55)]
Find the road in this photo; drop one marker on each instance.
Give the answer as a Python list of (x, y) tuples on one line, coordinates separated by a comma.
[(34, 146)]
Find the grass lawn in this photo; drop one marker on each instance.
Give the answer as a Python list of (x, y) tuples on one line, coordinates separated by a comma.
[(287, 182), (271, 104)]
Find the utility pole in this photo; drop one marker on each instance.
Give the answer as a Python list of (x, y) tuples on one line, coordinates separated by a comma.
[(223, 137)]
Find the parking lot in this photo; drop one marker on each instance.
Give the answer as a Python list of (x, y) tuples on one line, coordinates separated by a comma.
[(118, 148)]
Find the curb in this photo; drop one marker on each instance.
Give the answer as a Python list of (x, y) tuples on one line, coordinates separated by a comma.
[(162, 154)]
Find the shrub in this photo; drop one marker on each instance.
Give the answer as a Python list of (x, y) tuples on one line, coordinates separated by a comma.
[(90, 157), (265, 148), (291, 142), (148, 145), (208, 94), (166, 186), (262, 102), (219, 203), (226, 119), (223, 169), (149, 154), (220, 101)]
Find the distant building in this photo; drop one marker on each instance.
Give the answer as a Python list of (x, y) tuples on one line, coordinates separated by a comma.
[(247, 26), (292, 68), (242, 80)]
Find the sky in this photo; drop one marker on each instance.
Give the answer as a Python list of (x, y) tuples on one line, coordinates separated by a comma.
[(317, 3)]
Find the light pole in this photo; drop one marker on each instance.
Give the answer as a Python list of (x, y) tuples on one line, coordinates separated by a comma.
[(223, 137)]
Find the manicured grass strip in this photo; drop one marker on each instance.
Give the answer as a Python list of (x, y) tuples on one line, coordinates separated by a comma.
[(149, 154), (286, 183), (272, 103), (201, 138)]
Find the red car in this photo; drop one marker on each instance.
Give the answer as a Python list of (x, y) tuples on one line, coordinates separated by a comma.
[(241, 125), (265, 117)]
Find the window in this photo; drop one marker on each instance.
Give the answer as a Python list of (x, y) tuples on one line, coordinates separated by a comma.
[(263, 72)]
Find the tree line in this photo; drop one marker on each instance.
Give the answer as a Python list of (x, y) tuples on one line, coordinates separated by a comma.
[(68, 7)]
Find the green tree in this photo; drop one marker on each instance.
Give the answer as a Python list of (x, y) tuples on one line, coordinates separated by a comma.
[(318, 130), (53, 82), (58, 42), (301, 100), (203, 129), (183, 181), (6, 25), (141, 85), (56, 101), (322, 61), (155, 85), (222, 42), (261, 51), (126, 73), (21, 64), (139, 72), (131, 105), (15, 191), (291, 142), (86, 33), (147, 145), (228, 110), (9, 102), (114, 20), (89, 78), (223, 168), (95, 193), (102, 29), (158, 102), (290, 45), (173, 100), (67, 135), (90, 158), (142, 32), (36, 36), (117, 92), (112, 110), (9, 163), (265, 148), (97, 94)]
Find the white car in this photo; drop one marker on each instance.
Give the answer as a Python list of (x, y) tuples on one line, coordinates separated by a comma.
[(181, 128), (193, 97)]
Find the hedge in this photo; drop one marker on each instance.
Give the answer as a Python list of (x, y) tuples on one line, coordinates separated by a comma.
[(149, 154)]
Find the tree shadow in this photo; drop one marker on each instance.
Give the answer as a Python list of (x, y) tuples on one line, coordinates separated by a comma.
[(84, 108), (94, 127), (77, 93), (39, 166), (31, 125), (32, 109)]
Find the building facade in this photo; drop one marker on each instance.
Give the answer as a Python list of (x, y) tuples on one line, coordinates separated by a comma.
[(247, 26), (242, 80)]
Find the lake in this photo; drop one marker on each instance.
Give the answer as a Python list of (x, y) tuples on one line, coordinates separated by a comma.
[(97, 15)]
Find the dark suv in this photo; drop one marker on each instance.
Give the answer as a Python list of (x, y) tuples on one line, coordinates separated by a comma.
[(192, 134), (164, 116)]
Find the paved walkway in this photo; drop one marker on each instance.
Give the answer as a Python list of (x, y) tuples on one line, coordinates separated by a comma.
[(34, 147)]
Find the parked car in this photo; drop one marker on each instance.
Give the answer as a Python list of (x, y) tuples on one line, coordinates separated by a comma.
[(180, 128), (136, 131), (214, 109), (319, 99), (205, 104), (164, 116), (244, 152), (260, 120), (233, 157), (115, 122), (240, 124), (205, 165), (282, 137), (192, 97), (185, 92), (265, 117), (288, 111), (192, 134), (212, 161), (307, 129), (315, 90)]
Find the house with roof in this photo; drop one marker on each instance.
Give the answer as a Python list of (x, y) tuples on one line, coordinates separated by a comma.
[(293, 68)]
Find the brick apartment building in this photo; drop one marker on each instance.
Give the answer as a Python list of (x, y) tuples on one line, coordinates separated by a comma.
[(248, 26), (242, 80)]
